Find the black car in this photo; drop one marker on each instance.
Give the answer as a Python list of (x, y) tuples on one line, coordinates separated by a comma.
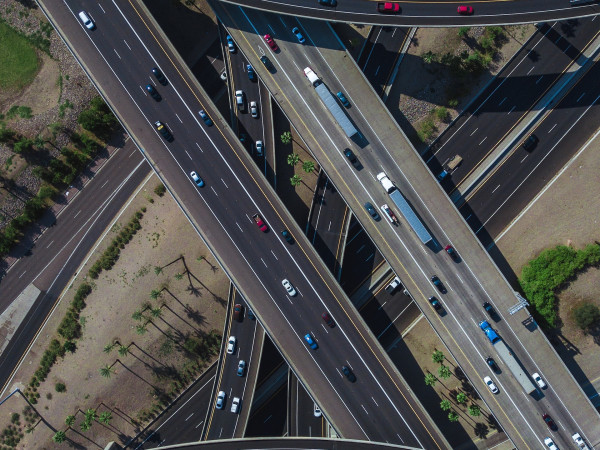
[(351, 157), (162, 129), (492, 364), (159, 76), (435, 303), (491, 311), (438, 284), (346, 371), (332, 3), (268, 64), (530, 142), (153, 92), (287, 236), (372, 211)]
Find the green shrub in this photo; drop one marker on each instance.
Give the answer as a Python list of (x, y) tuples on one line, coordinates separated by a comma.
[(586, 315), (23, 145), (69, 327), (550, 271), (60, 387), (441, 113), (160, 190)]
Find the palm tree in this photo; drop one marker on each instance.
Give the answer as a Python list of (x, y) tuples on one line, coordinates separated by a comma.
[(137, 315), (292, 159), (85, 425), (90, 414), (59, 437), (295, 180), (108, 347), (445, 405), (461, 397), (141, 329), (200, 258), (475, 410), (106, 371), (286, 137), (453, 416), (157, 270), (429, 57), (308, 166), (430, 379), (438, 357), (444, 371), (156, 312), (123, 350), (154, 294), (70, 420), (178, 276), (105, 417)]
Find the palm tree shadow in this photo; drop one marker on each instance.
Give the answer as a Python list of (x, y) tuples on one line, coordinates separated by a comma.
[(135, 374), (188, 309)]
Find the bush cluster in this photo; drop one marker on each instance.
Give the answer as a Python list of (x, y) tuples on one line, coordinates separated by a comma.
[(34, 208), (111, 254), (98, 118), (551, 271)]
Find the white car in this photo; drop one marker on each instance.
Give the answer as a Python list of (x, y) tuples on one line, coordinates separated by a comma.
[(536, 377), (220, 400), (550, 444), (260, 148), (288, 287), (239, 99), (491, 385), (231, 344), (317, 411), (87, 20), (580, 442), (254, 109), (235, 405)]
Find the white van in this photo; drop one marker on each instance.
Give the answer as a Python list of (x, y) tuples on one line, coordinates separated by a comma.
[(235, 405), (386, 182), (87, 20)]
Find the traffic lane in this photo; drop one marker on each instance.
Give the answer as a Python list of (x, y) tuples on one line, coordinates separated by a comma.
[(164, 162), (516, 182), (309, 424), (54, 276), (448, 265), (183, 420), (270, 418), (381, 55), (426, 13), (327, 222), (267, 161), (505, 106), (119, 172), (222, 424)]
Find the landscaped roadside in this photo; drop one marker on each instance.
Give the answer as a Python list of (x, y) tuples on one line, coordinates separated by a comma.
[(147, 327)]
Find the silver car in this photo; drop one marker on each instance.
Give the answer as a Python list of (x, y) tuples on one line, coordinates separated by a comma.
[(254, 109), (87, 20), (220, 400), (260, 148)]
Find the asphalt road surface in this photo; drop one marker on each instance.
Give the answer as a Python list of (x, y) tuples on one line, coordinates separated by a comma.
[(223, 209), (424, 13), (62, 248), (510, 97)]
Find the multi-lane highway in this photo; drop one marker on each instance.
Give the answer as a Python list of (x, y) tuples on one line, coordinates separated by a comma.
[(470, 282), (223, 210), (428, 13)]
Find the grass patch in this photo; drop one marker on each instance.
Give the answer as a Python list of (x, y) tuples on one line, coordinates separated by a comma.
[(552, 270), (18, 60)]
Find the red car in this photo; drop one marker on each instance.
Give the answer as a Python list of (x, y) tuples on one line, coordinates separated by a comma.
[(549, 422), (261, 223), (465, 10), (328, 320), (388, 7), (271, 42)]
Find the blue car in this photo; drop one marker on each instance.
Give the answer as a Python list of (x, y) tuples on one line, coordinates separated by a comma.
[(251, 74), (298, 35), (343, 99), (153, 92), (205, 117), (230, 44), (311, 341), (199, 181)]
